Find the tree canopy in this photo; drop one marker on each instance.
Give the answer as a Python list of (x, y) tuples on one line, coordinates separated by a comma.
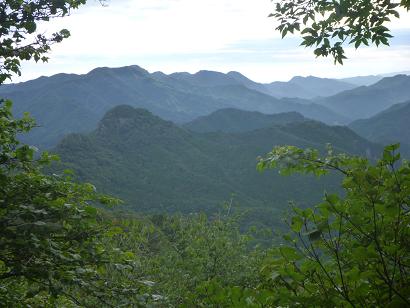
[(330, 25)]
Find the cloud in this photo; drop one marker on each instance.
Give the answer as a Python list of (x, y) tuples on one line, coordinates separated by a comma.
[(189, 35)]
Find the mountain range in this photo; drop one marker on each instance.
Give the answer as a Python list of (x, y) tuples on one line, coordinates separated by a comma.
[(235, 121), (298, 87), (156, 166), (367, 101), (389, 126), (188, 142), (67, 103), (370, 79)]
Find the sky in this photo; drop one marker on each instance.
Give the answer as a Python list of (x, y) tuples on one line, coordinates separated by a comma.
[(192, 35)]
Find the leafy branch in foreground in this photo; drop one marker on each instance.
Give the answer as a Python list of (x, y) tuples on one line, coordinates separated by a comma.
[(19, 39), (330, 25), (52, 236), (350, 250)]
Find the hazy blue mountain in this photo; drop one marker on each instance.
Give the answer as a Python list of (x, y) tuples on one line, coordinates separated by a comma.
[(205, 78), (371, 79), (363, 80), (364, 102), (396, 73), (298, 87), (75, 103), (321, 86), (154, 165), (251, 100), (245, 81), (235, 121), (287, 89), (389, 126)]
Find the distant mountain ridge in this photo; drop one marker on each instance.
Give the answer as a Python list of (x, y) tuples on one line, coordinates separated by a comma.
[(63, 103), (67, 103), (237, 121), (298, 87), (308, 87), (389, 126), (371, 79), (367, 101)]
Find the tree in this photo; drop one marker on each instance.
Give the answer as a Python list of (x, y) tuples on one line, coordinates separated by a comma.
[(350, 250), (50, 231), (330, 25), (54, 240), (18, 37), (203, 257), (57, 247)]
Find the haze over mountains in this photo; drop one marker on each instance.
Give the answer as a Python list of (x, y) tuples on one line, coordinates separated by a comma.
[(67, 103)]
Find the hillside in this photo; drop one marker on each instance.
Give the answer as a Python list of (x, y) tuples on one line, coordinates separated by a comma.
[(64, 103), (236, 121), (367, 101), (155, 165), (389, 126)]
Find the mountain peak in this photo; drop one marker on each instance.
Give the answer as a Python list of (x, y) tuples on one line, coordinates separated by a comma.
[(297, 78), (124, 118), (208, 72), (307, 78), (131, 69), (238, 76), (235, 73)]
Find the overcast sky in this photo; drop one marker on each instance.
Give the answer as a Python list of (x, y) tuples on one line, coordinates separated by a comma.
[(190, 35)]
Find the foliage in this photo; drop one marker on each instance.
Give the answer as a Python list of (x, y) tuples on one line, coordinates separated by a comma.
[(350, 250), (330, 25), (51, 234), (19, 39), (190, 260)]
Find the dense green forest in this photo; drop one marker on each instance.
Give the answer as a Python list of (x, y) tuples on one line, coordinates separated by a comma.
[(206, 189), (154, 165)]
